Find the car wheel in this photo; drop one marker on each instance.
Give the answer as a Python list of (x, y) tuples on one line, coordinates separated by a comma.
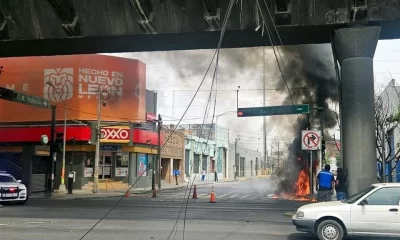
[(330, 230)]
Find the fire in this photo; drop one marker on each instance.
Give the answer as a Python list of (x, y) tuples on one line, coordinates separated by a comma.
[(302, 184), (301, 189)]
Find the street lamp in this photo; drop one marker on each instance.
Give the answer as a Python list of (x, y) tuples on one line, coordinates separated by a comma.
[(62, 188)]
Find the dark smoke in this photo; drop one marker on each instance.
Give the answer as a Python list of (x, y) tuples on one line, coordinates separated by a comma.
[(310, 74), (195, 63)]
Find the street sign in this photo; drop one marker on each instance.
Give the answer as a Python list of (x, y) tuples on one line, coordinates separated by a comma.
[(30, 100), (274, 110), (311, 140), (10, 95)]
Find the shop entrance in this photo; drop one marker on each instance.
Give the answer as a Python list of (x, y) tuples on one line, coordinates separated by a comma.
[(105, 164)]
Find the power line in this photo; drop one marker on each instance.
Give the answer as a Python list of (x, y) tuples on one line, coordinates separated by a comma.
[(224, 25)]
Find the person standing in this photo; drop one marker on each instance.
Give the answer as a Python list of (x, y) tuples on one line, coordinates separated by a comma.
[(325, 184), (203, 175), (177, 173), (341, 185)]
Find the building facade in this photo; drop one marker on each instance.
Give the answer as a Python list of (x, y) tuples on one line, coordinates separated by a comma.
[(199, 156), (172, 155), (245, 162), (389, 105), (74, 85), (219, 136)]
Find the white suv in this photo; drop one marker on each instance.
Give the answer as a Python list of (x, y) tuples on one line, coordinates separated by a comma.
[(12, 190), (374, 211)]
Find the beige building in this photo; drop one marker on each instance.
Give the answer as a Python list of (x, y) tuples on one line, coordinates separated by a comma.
[(172, 155)]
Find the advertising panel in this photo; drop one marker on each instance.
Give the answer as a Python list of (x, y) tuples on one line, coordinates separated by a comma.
[(142, 164), (74, 81)]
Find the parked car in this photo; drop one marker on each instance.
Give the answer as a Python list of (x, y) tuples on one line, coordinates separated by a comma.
[(12, 190), (372, 212)]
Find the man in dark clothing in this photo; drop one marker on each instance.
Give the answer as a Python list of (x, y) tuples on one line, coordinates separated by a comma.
[(325, 184), (341, 185)]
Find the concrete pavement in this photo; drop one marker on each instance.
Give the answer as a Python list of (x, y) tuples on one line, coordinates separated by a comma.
[(140, 218)]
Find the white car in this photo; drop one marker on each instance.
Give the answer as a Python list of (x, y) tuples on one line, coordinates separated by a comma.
[(12, 190), (372, 212)]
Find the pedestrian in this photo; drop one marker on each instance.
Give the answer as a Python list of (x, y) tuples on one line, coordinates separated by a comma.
[(340, 185), (177, 173), (325, 184), (203, 175)]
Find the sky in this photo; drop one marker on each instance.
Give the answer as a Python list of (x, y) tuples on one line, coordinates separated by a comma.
[(176, 75)]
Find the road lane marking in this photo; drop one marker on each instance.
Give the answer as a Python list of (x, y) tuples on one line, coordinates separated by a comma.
[(35, 222)]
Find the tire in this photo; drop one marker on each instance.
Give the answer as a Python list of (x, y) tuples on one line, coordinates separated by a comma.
[(330, 230)]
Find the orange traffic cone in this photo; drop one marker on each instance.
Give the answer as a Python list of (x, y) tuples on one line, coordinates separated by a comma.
[(212, 196), (194, 192), (127, 194)]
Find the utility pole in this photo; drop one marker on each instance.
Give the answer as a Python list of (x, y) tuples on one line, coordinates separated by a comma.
[(279, 165), (383, 155), (102, 95), (159, 121), (236, 159), (264, 119), (50, 169), (62, 185)]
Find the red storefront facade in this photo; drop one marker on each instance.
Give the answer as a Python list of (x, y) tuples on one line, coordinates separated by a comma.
[(70, 83), (123, 149)]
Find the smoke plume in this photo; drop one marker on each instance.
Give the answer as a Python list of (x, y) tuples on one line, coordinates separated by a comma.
[(310, 75)]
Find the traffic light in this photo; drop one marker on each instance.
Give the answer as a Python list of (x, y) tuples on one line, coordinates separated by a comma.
[(323, 147), (58, 144)]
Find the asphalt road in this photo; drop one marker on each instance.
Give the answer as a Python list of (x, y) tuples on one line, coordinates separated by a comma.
[(243, 211)]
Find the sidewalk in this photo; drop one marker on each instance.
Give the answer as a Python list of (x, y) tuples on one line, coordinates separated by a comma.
[(114, 192)]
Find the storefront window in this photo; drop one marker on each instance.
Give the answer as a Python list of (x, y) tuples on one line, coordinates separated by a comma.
[(88, 159), (122, 159)]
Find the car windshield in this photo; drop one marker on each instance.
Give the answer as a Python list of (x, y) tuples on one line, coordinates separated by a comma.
[(7, 179), (360, 194)]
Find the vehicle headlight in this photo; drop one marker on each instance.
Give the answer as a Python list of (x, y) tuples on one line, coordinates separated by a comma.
[(299, 214)]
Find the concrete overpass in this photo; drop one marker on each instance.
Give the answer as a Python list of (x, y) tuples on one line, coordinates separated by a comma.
[(51, 27)]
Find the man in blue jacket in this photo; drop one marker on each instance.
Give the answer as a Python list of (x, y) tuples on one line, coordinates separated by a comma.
[(177, 173), (325, 184)]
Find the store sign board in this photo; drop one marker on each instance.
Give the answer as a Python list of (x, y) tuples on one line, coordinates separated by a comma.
[(118, 134)]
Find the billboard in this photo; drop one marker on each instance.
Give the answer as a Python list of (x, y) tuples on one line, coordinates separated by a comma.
[(74, 81)]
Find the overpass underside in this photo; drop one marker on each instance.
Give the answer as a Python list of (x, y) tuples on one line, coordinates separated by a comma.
[(53, 27)]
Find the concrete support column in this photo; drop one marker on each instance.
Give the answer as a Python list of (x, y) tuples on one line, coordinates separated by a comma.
[(132, 170), (355, 49)]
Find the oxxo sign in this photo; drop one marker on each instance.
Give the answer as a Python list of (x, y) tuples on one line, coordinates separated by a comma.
[(115, 134)]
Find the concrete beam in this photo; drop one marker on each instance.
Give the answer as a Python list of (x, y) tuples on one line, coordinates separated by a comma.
[(177, 41)]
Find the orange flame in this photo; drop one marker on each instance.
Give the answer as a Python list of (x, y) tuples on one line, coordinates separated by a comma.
[(301, 191), (302, 184)]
